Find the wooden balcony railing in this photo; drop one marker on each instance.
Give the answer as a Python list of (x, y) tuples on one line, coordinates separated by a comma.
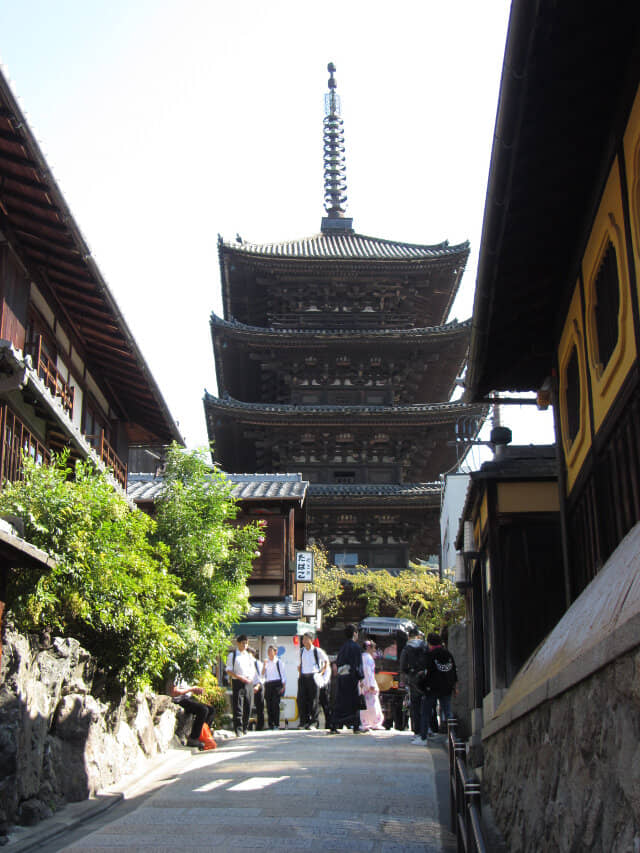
[(52, 378), (16, 438), (110, 458)]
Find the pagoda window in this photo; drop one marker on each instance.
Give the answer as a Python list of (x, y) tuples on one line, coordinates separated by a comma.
[(376, 398), (344, 476), (344, 438), (307, 398), (344, 398), (389, 558), (345, 559), (382, 476), (607, 307)]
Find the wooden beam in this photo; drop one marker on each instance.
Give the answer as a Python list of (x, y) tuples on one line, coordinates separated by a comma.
[(26, 182)]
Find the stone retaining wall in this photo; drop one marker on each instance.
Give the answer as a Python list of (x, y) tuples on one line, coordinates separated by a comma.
[(62, 738), (566, 775)]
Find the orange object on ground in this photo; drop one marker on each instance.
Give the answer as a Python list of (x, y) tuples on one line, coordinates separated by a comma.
[(206, 738)]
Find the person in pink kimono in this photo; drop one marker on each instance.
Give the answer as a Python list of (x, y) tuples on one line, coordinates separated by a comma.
[(372, 718)]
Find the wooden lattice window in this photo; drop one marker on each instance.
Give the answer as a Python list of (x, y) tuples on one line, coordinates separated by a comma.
[(572, 398), (607, 307)]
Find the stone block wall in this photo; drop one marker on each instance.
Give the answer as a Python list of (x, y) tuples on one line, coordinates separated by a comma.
[(460, 705), (62, 738), (566, 776)]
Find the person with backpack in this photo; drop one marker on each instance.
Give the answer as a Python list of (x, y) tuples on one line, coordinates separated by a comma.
[(258, 691), (440, 682), (412, 666), (313, 663), (241, 670), (275, 682)]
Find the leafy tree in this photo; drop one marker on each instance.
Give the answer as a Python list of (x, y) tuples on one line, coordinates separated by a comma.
[(415, 593), (111, 587), (210, 555), (328, 582)]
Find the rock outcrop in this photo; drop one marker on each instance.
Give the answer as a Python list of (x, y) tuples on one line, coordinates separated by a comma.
[(63, 737)]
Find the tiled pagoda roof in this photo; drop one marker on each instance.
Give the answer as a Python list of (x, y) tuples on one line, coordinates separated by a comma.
[(280, 413), (424, 493), (346, 246), (308, 335)]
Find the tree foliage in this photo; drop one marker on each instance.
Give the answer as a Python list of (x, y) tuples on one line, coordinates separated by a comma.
[(111, 587), (328, 582), (415, 593), (210, 554)]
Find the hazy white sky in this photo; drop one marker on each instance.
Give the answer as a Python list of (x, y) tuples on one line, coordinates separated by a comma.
[(166, 123)]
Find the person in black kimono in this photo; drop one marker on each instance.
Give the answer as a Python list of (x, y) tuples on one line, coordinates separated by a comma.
[(346, 711)]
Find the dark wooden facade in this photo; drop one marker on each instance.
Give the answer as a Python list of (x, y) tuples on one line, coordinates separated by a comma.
[(72, 375), (334, 359), (557, 310), (515, 586)]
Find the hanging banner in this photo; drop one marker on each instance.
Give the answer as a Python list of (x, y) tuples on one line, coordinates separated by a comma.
[(304, 566)]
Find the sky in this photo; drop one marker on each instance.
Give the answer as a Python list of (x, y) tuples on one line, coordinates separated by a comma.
[(167, 123)]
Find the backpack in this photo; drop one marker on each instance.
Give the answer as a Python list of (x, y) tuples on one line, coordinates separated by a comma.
[(326, 675), (442, 676)]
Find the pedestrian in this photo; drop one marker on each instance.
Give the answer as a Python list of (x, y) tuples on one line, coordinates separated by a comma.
[(349, 663), (313, 663), (372, 718), (412, 667), (182, 694), (258, 691), (324, 695), (275, 682), (441, 681), (241, 670)]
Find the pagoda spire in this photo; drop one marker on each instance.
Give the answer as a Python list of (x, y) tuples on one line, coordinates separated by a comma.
[(335, 173)]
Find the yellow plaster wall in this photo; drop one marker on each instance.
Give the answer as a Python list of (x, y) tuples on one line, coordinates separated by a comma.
[(573, 334), (631, 146), (528, 497), (608, 226), (484, 512)]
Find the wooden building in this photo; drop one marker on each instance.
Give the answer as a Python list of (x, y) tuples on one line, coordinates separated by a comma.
[(557, 310), (334, 359), (275, 500), (71, 374)]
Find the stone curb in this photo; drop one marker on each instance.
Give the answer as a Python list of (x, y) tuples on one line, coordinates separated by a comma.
[(23, 839), (72, 815), (27, 838)]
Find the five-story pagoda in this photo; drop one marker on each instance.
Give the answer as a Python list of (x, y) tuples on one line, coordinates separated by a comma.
[(334, 359)]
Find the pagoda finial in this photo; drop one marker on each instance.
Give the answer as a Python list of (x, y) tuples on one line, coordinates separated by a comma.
[(335, 173)]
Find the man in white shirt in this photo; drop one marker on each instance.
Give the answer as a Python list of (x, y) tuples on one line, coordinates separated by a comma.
[(275, 679), (313, 661), (242, 671)]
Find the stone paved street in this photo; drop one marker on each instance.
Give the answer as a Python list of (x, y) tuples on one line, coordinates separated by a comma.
[(288, 791)]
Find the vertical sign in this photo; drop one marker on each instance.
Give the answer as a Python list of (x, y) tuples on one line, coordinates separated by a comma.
[(309, 603), (304, 566)]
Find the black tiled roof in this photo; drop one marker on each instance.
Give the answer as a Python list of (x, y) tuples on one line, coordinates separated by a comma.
[(407, 334), (247, 487), (348, 246), (413, 490), (417, 411)]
